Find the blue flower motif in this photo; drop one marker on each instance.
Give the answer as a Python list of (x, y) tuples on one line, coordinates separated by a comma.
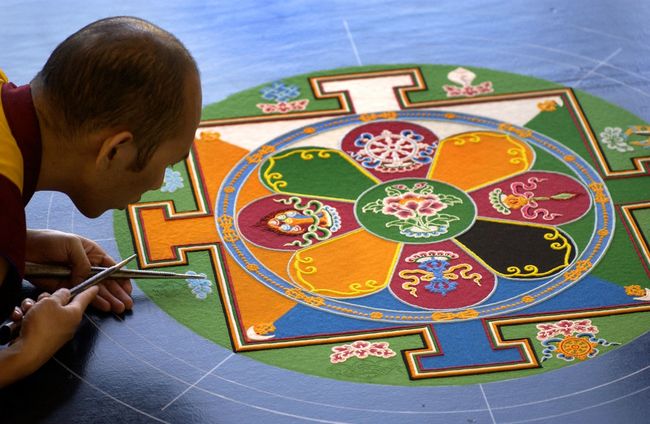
[(172, 182), (201, 286), (439, 284), (280, 92)]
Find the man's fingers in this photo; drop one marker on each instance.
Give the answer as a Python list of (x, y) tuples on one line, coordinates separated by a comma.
[(95, 253), (125, 283), (101, 304), (104, 260), (61, 295), (117, 305), (26, 304), (78, 260), (84, 298), (17, 314), (120, 292)]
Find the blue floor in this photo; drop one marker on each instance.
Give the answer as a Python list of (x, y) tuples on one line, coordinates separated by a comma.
[(134, 375)]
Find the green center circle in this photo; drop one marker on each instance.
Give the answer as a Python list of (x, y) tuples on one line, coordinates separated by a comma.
[(415, 210)]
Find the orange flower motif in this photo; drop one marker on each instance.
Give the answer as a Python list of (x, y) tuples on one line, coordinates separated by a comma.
[(376, 315), (210, 136), (634, 290), (515, 202), (547, 106), (264, 328)]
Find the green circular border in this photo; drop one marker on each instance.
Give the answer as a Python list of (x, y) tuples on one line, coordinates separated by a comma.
[(393, 233)]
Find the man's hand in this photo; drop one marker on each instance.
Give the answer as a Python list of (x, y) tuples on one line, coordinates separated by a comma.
[(52, 321), (79, 253), (47, 325)]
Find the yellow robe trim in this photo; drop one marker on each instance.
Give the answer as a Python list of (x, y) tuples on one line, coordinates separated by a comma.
[(11, 159)]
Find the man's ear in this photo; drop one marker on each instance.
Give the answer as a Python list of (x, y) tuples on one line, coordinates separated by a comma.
[(116, 147)]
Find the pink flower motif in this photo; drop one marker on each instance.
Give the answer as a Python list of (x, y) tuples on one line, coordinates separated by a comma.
[(410, 205), (585, 326), (565, 328), (283, 107), (453, 91), (361, 349), (545, 335), (468, 90), (471, 91), (545, 326), (361, 344)]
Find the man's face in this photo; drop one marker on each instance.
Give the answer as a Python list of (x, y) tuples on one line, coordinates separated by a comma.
[(124, 186)]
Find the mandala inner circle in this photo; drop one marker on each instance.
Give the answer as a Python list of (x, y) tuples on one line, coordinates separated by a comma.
[(415, 210)]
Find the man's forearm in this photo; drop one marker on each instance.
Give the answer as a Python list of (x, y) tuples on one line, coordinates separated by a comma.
[(15, 363)]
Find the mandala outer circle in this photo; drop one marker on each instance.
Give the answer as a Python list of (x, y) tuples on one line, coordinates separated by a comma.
[(595, 248)]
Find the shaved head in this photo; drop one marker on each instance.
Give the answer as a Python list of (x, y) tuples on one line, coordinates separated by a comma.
[(120, 73)]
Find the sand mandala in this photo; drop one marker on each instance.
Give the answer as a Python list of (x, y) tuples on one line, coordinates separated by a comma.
[(406, 225)]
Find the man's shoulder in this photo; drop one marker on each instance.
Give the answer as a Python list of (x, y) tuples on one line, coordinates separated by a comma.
[(12, 228)]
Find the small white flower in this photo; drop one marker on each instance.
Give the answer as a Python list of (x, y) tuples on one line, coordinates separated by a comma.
[(614, 139)]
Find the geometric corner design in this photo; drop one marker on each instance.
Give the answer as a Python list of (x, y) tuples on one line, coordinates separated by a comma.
[(636, 219)]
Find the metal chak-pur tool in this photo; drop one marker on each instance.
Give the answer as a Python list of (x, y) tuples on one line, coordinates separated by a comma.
[(10, 329), (33, 270)]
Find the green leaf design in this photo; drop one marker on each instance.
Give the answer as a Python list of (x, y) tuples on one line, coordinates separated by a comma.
[(442, 219), (450, 199), (563, 196), (375, 206), (392, 191), (400, 223), (495, 200)]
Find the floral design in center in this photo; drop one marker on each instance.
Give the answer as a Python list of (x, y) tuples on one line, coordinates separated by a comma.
[(416, 211)]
